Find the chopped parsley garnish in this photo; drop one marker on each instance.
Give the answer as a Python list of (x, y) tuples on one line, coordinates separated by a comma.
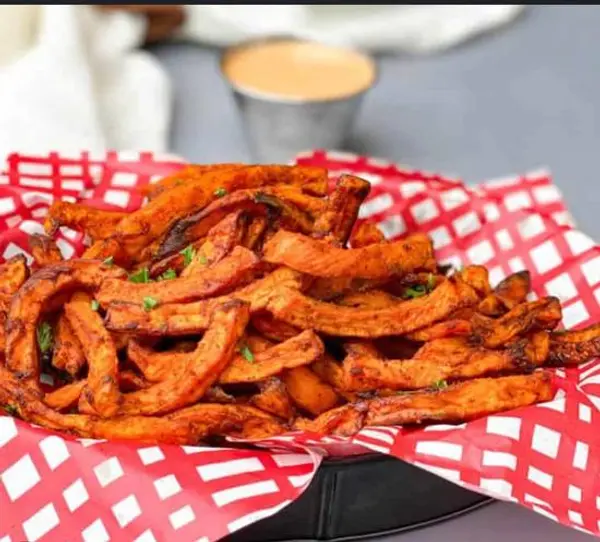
[(44, 337), (418, 290), (220, 192), (245, 351), (440, 385), (202, 259), (188, 254), (430, 282), (109, 261), (95, 305), (149, 303), (140, 277), (11, 410), (169, 274)]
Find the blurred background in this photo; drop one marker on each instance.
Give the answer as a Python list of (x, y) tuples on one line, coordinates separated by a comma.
[(471, 91)]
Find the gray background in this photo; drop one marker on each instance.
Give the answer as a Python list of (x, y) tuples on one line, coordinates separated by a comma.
[(523, 97)]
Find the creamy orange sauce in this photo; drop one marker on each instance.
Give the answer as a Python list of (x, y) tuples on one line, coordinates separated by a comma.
[(299, 70)]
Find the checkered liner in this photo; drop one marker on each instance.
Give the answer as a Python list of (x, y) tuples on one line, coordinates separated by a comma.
[(545, 457)]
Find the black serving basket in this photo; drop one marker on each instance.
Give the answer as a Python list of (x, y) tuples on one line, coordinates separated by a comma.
[(361, 497)]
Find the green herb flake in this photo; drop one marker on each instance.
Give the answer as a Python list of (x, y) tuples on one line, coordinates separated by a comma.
[(245, 351), (44, 337), (220, 192), (418, 290), (109, 261), (149, 303), (430, 282), (202, 259), (140, 277), (440, 385), (11, 410), (169, 274), (94, 304), (188, 254)]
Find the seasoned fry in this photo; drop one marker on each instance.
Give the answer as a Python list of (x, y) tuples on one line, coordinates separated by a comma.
[(300, 350), (508, 294), (461, 402), (29, 302), (320, 259), (572, 348), (273, 329), (255, 231), (308, 391), (102, 390), (343, 421), (447, 328), (13, 274), (296, 309), (155, 366), (225, 275), (66, 397), (96, 223), (189, 380), (371, 299), (336, 222), (274, 399), (44, 250), (67, 355), (365, 234)]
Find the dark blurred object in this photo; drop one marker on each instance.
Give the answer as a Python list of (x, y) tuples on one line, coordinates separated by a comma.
[(163, 19)]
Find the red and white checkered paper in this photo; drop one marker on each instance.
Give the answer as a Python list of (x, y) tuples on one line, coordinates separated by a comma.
[(544, 457)]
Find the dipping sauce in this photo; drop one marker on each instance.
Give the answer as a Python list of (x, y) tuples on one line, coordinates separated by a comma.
[(299, 70)]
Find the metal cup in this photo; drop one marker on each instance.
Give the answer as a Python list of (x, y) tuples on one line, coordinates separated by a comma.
[(278, 128)]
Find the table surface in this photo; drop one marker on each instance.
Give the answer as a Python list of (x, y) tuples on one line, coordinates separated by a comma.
[(524, 97)]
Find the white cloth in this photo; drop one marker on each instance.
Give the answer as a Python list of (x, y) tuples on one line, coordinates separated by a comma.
[(73, 77)]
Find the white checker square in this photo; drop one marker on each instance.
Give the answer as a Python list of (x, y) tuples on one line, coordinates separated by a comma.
[(373, 178), (563, 218), (126, 510), (585, 413), (392, 226), (591, 271), (182, 517), (448, 450), (375, 205), (540, 478), (516, 264), (545, 256), (146, 536), (574, 493), (578, 242), (12, 250), (500, 488), (491, 212), (466, 224), (75, 495), (167, 486), (504, 426), (598, 502), (40, 212), (499, 459), (518, 200), (481, 253), (66, 249), (562, 287), (120, 198), (597, 295), (55, 451), (7, 206), (15, 220), (580, 457), (151, 455), (496, 275), (73, 185), (5, 538), (108, 471), (546, 194), (41, 523), (504, 240), (424, 211), (575, 517), (441, 237), (574, 314), (20, 477), (531, 227), (545, 441), (453, 198), (123, 178), (8, 430), (410, 188), (71, 170), (31, 227), (95, 532)]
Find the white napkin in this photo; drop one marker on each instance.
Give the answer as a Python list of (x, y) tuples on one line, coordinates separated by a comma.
[(73, 77)]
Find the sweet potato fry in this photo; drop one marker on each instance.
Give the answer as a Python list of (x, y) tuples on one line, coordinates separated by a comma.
[(130, 381), (216, 394), (476, 276), (179, 319), (13, 274), (296, 309), (273, 329), (176, 261), (320, 259), (274, 399), (29, 302), (254, 232), (286, 203), (571, 348), (343, 421), (155, 366), (65, 397), (96, 223), (102, 390), (44, 250), (448, 328), (212, 281), (336, 222), (67, 355), (371, 299), (508, 294), (544, 313), (461, 402), (189, 381), (295, 352), (308, 391), (365, 234)]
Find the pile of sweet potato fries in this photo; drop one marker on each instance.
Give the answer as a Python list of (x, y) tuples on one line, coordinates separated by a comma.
[(243, 301)]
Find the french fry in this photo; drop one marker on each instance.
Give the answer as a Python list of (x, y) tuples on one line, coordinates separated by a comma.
[(44, 250), (274, 399), (508, 294), (573, 348), (13, 274), (96, 223), (255, 231), (343, 421), (67, 355), (273, 329), (365, 234), (65, 397), (308, 391)]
